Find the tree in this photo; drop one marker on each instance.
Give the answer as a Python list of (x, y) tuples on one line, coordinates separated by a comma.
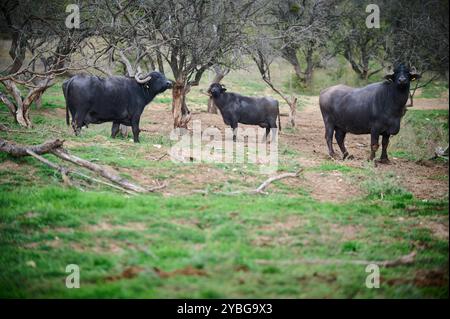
[(42, 47), (359, 44), (197, 34), (420, 37), (304, 29)]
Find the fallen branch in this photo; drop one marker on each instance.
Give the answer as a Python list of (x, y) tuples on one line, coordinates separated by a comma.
[(155, 188), (402, 261), (18, 150), (441, 152), (55, 147), (66, 171), (272, 179), (260, 189), (99, 170), (162, 156)]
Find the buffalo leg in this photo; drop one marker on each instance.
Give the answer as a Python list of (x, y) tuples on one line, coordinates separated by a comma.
[(135, 129), (340, 138), (115, 129), (384, 144), (267, 132), (374, 145), (273, 126), (329, 131), (79, 122), (234, 128)]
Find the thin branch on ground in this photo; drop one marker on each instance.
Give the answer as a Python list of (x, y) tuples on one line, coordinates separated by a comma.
[(401, 261), (55, 147), (260, 189), (272, 179)]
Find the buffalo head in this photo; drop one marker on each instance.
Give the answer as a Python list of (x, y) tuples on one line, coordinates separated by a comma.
[(216, 89), (402, 75), (154, 81)]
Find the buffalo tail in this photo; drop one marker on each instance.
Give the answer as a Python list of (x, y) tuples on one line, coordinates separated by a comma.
[(65, 87), (279, 120)]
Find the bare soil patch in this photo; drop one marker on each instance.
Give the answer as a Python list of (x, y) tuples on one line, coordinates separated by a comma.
[(127, 273), (186, 271), (330, 186), (106, 226), (424, 278), (430, 104), (439, 227), (424, 181), (346, 232)]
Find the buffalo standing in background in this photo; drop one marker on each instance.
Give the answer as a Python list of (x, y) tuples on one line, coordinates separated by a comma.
[(235, 108), (118, 99), (375, 109)]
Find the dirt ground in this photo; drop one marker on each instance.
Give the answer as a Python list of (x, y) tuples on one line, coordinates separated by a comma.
[(421, 178)]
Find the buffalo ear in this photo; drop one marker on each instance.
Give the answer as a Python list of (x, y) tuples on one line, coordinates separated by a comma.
[(223, 89), (389, 77), (414, 76)]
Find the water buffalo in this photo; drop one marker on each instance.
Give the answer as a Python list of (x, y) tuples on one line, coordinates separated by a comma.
[(118, 99), (375, 109), (235, 108)]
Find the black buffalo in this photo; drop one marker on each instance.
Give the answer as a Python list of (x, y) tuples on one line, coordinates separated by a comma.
[(121, 100), (376, 109), (235, 108)]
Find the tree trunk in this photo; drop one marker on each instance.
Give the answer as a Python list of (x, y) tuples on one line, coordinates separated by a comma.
[(23, 115), (365, 64), (38, 101), (152, 66), (180, 111), (364, 75), (212, 108), (20, 107), (309, 67), (159, 60), (290, 55), (292, 110), (411, 98), (220, 74)]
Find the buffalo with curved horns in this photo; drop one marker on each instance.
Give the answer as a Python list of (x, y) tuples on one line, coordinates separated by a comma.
[(375, 109), (118, 99)]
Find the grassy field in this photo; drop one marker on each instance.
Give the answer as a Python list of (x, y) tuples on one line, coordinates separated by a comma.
[(300, 241)]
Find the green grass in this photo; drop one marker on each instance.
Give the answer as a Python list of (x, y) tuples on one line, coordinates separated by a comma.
[(434, 90), (214, 246), (421, 132), (239, 245)]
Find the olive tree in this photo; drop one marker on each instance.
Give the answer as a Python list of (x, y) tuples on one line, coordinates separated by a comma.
[(303, 28), (196, 35), (42, 47), (420, 37)]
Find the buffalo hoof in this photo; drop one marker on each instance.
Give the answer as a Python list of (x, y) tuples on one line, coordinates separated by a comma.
[(347, 156), (383, 161), (333, 156)]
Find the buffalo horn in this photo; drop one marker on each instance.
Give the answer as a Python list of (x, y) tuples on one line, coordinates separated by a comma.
[(140, 80)]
